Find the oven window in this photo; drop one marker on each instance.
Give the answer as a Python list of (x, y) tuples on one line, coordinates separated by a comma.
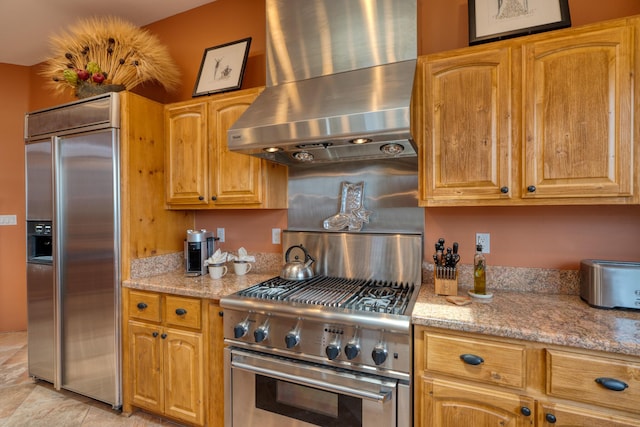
[(307, 404)]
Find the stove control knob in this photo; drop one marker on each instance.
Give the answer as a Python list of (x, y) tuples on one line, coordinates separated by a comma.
[(292, 339), (261, 333), (240, 330), (352, 350), (333, 351), (379, 354)]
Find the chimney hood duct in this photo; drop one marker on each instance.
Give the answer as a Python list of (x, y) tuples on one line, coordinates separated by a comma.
[(339, 72)]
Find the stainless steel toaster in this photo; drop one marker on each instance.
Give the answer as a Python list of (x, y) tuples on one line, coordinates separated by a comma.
[(610, 284)]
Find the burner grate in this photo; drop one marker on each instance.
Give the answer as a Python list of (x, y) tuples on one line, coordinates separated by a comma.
[(354, 294)]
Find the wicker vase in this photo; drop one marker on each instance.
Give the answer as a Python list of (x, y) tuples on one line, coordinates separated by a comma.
[(87, 90)]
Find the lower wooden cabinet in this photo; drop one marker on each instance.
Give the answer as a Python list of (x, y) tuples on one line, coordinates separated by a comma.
[(475, 380), (166, 371), (447, 403), (557, 415), (165, 364)]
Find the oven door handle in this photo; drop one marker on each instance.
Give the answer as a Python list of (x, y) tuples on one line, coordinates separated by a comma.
[(382, 396)]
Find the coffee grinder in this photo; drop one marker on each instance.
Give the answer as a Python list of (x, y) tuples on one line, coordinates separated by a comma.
[(198, 246)]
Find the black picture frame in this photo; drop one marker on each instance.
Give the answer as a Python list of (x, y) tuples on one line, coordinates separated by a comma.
[(222, 68), (491, 20)]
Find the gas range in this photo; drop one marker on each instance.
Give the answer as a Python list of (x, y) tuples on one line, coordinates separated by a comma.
[(361, 323)]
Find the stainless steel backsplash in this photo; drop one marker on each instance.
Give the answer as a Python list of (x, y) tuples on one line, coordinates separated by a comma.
[(390, 192)]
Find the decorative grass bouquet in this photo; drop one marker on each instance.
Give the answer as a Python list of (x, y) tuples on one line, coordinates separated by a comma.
[(105, 54)]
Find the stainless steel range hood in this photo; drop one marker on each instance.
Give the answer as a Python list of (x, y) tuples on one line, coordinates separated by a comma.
[(338, 72)]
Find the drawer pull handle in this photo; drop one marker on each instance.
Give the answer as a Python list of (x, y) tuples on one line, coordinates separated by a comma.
[(525, 411), (612, 383), (141, 306), (471, 359), (181, 311), (551, 419)]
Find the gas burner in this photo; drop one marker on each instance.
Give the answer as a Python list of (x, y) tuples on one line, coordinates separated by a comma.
[(385, 292), (354, 294)]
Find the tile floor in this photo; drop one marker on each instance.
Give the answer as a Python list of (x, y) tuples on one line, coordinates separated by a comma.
[(29, 403)]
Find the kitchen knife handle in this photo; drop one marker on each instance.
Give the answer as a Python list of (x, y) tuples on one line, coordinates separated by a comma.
[(181, 311), (141, 306), (471, 359), (612, 383)]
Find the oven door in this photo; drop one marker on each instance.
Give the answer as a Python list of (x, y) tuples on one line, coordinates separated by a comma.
[(271, 391)]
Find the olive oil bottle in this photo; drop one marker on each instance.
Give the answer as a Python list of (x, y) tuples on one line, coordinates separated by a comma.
[(479, 272)]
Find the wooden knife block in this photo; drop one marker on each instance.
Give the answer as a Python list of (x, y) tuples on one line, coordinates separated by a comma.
[(446, 286)]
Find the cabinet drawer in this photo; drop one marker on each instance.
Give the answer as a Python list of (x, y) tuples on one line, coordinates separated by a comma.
[(573, 376), (144, 306), (501, 363), (181, 311)]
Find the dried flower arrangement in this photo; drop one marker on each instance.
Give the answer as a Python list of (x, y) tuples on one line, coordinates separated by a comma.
[(108, 54)]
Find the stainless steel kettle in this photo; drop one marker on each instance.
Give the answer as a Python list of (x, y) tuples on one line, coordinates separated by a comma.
[(297, 269)]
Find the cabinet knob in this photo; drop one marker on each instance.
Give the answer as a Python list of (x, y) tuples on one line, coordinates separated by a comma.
[(221, 313), (141, 306), (550, 418), (531, 189), (525, 411), (163, 336), (504, 190), (214, 198), (181, 311), (155, 334), (471, 359), (200, 197), (612, 383)]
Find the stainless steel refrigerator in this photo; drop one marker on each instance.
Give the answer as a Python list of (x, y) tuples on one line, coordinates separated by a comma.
[(73, 244)]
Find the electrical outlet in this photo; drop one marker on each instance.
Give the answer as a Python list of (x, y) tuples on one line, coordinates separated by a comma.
[(275, 236), (484, 239), (8, 220), (220, 234)]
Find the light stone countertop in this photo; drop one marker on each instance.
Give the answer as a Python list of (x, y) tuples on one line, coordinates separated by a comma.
[(541, 317), (200, 286), (546, 318)]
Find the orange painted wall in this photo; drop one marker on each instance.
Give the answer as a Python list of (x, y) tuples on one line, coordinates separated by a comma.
[(14, 90), (554, 237)]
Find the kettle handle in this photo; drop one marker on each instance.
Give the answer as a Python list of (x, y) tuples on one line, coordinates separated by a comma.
[(307, 256)]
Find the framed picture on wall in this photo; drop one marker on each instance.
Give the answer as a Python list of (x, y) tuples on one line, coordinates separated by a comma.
[(491, 20), (222, 68)]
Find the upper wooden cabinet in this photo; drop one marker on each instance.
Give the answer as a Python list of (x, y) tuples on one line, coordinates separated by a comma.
[(542, 119), (578, 114), (202, 173), (465, 137)]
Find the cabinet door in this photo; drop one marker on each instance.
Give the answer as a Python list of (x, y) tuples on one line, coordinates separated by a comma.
[(235, 178), (466, 127), (558, 415), (578, 115), (183, 372), (186, 154), (145, 375), (449, 404)]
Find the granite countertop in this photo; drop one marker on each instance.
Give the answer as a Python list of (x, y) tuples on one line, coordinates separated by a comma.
[(546, 318), (200, 286)]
